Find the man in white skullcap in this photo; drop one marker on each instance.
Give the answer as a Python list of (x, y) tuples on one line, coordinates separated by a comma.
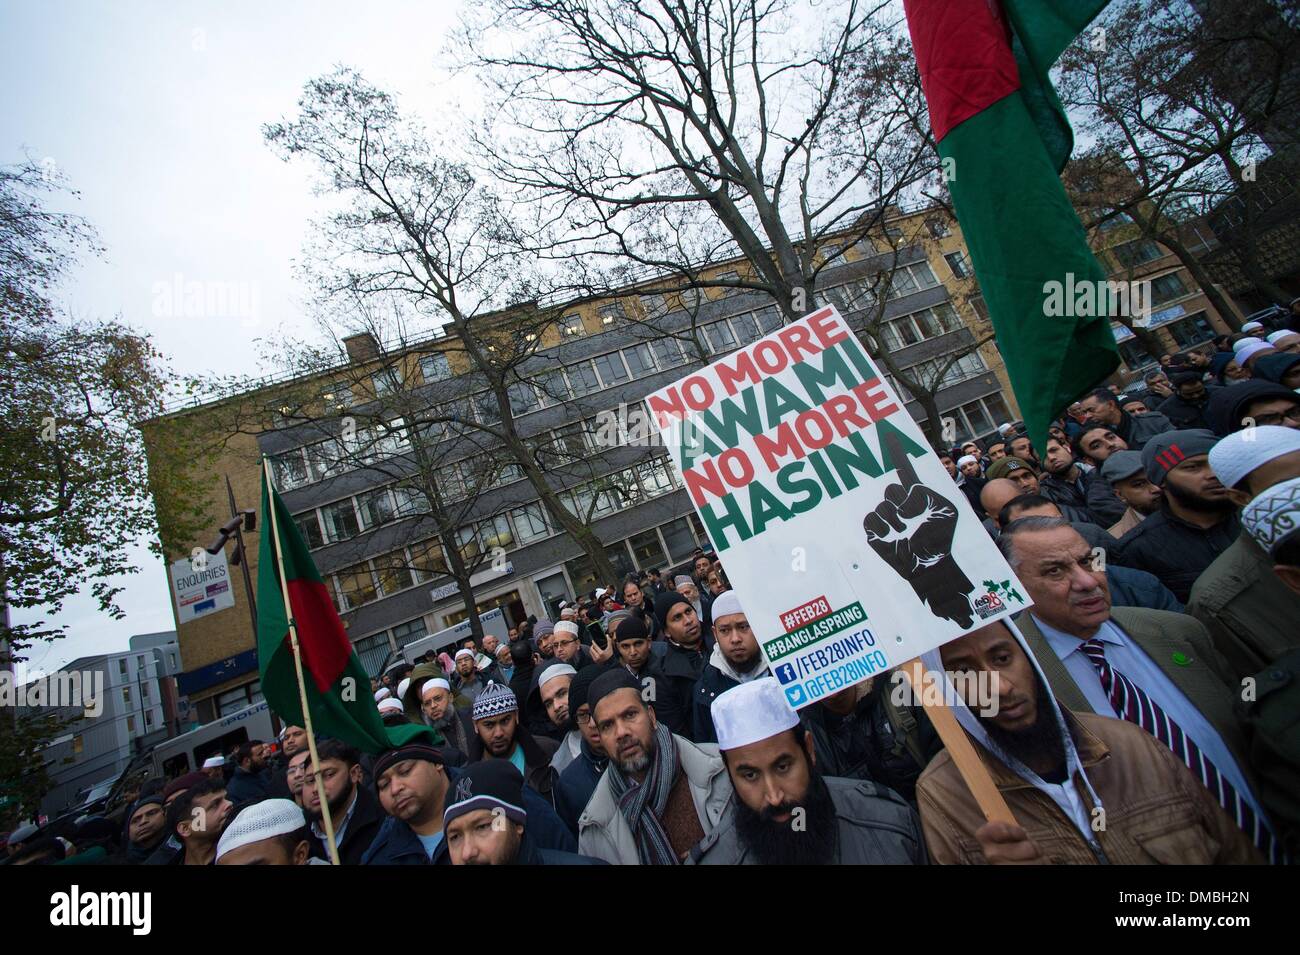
[(437, 703), (1251, 327), (785, 812), (686, 587), (551, 694), (1273, 521), (467, 681), (1253, 349), (270, 832), (1285, 341), (736, 659), (214, 767), (1248, 609), (566, 645)]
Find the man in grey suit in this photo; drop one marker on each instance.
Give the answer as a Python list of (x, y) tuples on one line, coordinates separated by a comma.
[(1153, 668)]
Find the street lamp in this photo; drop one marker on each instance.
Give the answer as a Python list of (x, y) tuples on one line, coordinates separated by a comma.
[(239, 522)]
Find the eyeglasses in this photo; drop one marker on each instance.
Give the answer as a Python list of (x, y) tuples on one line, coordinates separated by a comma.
[(1276, 417), (583, 719), (563, 643)]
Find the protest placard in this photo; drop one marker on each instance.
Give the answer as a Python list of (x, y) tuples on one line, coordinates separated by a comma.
[(851, 547)]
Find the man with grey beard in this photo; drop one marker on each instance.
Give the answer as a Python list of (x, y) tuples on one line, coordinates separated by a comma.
[(660, 795)]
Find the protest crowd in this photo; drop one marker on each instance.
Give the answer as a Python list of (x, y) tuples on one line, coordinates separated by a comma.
[(1158, 535)]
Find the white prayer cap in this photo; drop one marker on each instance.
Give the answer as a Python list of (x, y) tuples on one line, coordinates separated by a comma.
[(403, 687), (568, 613), (753, 711), (1239, 453), (437, 683), (566, 626), (1005, 429), (726, 603), (390, 705), (214, 762), (1274, 515), (1252, 327), (382, 692), (563, 604), (1250, 351), (1276, 337), (465, 653), (23, 833), (551, 672), (601, 593), (966, 459), (259, 821), (1241, 343), (682, 579)]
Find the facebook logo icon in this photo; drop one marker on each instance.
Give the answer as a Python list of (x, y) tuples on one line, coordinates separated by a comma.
[(795, 695), (785, 673)]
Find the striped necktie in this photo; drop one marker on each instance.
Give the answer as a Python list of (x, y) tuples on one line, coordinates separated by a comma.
[(1132, 704)]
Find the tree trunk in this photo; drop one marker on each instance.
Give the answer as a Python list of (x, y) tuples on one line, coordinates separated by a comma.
[(1203, 279)]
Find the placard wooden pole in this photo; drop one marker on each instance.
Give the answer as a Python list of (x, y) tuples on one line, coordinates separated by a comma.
[(958, 744)]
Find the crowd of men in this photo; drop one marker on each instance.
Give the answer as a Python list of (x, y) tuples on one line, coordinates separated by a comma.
[(1143, 708)]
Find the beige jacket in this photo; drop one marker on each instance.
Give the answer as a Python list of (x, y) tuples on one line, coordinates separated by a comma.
[(1156, 811)]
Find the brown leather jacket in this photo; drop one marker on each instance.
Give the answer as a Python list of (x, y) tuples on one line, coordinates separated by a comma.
[(1156, 812)]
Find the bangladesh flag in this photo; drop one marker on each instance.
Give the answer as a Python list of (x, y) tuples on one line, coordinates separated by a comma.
[(1004, 138), (338, 689)]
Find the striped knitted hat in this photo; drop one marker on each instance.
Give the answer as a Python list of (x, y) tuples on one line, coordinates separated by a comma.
[(495, 700)]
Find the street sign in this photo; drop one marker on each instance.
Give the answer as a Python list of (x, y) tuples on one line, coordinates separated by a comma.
[(201, 587)]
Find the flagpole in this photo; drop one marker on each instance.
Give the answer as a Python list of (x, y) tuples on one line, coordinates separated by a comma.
[(297, 666)]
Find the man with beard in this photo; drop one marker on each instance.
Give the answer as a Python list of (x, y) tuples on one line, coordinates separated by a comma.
[(681, 664), (553, 683), (566, 645), (251, 780), (1059, 770), (498, 734), (1081, 496), (146, 829), (736, 659), (1097, 442), (660, 795), (355, 813), (1022, 448), (195, 817), (1197, 520), (467, 681), (485, 822), (785, 812), (1186, 409), (970, 478), (1249, 612), (1127, 478), (1150, 667), (437, 705), (579, 778), (270, 832)]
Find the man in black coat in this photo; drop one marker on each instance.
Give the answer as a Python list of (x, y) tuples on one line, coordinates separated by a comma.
[(354, 810), (672, 691)]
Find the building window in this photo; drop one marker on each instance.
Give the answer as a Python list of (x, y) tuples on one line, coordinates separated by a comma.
[(393, 573), (582, 379), (148, 718), (938, 228), (428, 559), (719, 337), (639, 360), (1131, 254), (746, 328), (1166, 288), (130, 725), (78, 745), (309, 527), (290, 471), (356, 585), (386, 381), (647, 550), (611, 315), (376, 508), (654, 305), (126, 695), (523, 398), (530, 522), (679, 538), (1192, 330), (571, 326), (611, 369), (769, 319), (340, 520), (668, 352), (552, 387), (121, 667), (435, 367), (957, 262)]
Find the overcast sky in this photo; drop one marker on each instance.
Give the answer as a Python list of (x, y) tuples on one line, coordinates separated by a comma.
[(153, 111)]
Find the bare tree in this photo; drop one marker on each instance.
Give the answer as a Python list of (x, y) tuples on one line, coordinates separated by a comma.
[(659, 140), (1174, 104), (417, 226)]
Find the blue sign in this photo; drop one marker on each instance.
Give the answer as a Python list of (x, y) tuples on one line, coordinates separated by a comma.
[(194, 680)]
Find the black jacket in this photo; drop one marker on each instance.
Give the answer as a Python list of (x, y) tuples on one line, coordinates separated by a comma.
[(248, 787), (711, 682), (869, 744), (576, 784), (1070, 496), (1175, 551), (537, 760), (1188, 414), (367, 818), (674, 687)]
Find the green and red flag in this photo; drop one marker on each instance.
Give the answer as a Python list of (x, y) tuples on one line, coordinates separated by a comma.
[(337, 687), (1004, 138)]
